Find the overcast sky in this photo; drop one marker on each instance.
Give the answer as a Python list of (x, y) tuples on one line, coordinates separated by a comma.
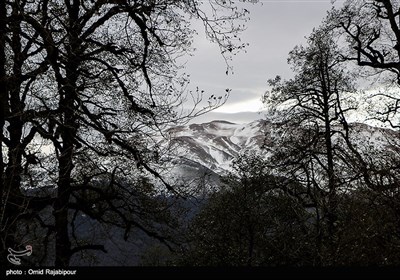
[(275, 27)]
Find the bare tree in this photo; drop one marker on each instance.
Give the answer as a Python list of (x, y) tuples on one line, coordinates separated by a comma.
[(311, 109), (110, 84), (370, 32), (22, 64)]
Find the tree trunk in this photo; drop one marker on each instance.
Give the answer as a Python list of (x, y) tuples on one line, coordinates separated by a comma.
[(12, 199), (68, 95), (329, 202), (15, 129)]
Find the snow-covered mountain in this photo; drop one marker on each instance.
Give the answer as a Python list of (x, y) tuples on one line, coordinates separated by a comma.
[(208, 149), (215, 144), (204, 152)]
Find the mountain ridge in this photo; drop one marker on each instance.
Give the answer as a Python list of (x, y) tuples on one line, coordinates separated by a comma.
[(211, 147)]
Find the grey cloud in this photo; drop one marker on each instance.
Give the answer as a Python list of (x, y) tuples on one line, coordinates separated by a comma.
[(274, 29)]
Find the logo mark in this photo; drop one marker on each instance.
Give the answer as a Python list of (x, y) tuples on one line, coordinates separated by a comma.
[(13, 256)]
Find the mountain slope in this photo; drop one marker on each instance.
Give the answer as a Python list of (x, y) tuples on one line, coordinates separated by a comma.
[(215, 144)]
